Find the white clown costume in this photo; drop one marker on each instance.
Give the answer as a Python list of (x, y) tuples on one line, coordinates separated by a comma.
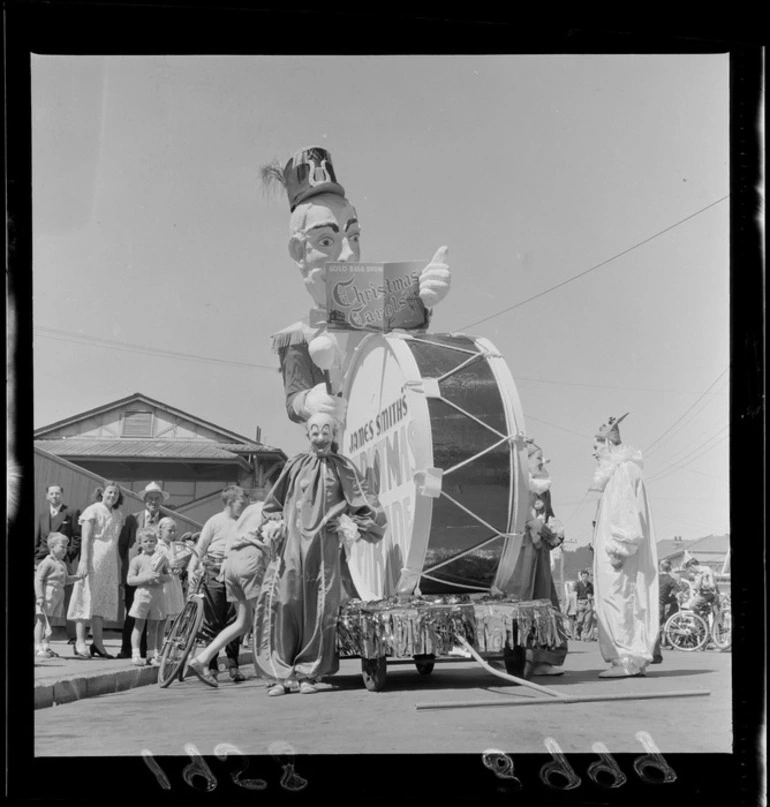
[(625, 558)]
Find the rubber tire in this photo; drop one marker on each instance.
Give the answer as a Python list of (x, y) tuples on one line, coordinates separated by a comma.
[(183, 633), (517, 663), (673, 636), (716, 635), (374, 672), (425, 664)]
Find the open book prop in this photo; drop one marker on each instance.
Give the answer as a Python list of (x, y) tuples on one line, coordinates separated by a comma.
[(374, 296)]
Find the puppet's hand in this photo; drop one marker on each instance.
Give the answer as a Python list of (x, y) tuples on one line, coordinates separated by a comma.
[(319, 402), (435, 279)]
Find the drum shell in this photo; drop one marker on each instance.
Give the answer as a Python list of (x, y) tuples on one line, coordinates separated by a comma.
[(481, 470)]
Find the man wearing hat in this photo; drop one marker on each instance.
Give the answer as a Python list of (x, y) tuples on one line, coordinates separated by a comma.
[(153, 496), (625, 557), (324, 227)]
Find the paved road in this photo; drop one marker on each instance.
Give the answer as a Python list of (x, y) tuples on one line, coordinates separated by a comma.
[(345, 718)]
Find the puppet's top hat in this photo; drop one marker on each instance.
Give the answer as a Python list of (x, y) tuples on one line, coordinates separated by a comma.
[(308, 173), (609, 431)]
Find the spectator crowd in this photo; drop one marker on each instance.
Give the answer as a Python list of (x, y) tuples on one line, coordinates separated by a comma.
[(88, 561)]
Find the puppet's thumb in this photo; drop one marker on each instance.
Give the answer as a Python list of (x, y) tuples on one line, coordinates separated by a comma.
[(440, 256)]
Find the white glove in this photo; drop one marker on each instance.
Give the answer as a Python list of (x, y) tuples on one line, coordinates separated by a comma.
[(435, 279), (347, 529), (271, 529), (318, 401)]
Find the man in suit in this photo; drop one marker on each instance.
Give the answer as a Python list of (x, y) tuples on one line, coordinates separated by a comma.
[(58, 517), (153, 495)]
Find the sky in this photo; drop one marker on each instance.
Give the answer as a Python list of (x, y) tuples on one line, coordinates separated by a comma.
[(582, 198)]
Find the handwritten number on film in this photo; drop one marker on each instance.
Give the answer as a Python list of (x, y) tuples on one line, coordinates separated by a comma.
[(558, 774), (199, 776)]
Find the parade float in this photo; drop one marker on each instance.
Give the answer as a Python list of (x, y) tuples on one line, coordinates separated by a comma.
[(434, 423)]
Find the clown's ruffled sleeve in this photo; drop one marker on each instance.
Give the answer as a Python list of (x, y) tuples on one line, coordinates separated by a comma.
[(626, 529), (364, 507), (276, 498)]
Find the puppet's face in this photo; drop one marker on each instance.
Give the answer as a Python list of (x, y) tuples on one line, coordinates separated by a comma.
[(320, 432), (326, 230)]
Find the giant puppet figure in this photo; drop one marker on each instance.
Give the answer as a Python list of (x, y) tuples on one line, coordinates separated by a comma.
[(324, 227), (625, 558)]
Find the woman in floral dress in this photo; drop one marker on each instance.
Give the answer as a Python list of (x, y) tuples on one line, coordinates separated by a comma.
[(95, 597)]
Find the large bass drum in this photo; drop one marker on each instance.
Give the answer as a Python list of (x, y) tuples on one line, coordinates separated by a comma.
[(435, 423)]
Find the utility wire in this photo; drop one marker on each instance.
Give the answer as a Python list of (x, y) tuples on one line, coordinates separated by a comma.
[(654, 442), (560, 428), (113, 344), (702, 404), (677, 466), (597, 266), (676, 457)]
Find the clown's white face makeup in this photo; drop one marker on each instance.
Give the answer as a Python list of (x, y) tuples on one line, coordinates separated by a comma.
[(330, 233), (320, 432), (601, 449), (537, 464)]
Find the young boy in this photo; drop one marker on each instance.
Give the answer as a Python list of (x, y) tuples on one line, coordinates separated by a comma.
[(50, 578), (148, 597)]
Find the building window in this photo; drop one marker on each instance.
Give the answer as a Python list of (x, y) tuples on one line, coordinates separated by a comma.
[(136, 424)]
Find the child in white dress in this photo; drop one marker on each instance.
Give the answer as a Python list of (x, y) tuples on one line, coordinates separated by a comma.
[(172, 551)]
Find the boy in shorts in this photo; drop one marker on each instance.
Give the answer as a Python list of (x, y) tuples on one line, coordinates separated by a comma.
[(246, 559), (148, 597)]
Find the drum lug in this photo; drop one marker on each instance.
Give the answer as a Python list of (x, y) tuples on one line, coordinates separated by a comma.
[(426, 386), (429, 482)]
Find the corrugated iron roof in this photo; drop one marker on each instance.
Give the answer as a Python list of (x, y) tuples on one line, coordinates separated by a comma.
[(149, 449)]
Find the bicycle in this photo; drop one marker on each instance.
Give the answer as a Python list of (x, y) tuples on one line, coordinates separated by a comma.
[(689, 630), (186, 630)]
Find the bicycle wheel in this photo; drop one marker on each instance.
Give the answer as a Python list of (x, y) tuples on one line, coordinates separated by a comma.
[(179, 642), (687, 631), (722, 629)]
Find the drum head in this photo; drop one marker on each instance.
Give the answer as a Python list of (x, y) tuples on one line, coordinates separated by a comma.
[(427, 423)]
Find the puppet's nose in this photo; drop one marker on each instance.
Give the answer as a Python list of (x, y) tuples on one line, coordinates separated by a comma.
[(346, 253)]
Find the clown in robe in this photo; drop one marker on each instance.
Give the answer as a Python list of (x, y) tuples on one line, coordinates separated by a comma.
[(324, 227), (319, 501), (625, 558), (532, 577)]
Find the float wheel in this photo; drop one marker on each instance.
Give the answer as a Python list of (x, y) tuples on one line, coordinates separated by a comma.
[(374, 672), (425, 663)]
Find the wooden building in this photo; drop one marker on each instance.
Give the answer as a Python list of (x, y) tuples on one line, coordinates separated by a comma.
[(137, 440)]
